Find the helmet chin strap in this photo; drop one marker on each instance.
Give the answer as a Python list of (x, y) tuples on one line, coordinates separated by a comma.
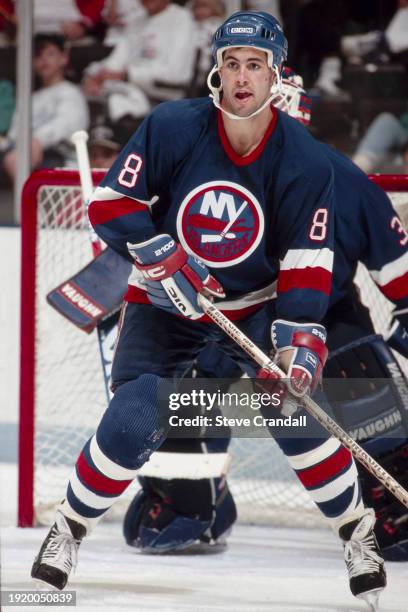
[(215, 94)]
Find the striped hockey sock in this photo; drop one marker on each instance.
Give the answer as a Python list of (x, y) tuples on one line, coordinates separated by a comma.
[(95, 485), (328, 472)]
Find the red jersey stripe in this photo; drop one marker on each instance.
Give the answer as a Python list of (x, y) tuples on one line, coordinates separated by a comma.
[(396, 289), (326, 469), (98, 482), (318, 279), (102, 211), (244, 160), (136, 295)]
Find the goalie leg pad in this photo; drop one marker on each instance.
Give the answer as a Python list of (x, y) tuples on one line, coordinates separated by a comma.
[(373, 405), (152, 525), (392, 517), (171, 515), (373, 408)]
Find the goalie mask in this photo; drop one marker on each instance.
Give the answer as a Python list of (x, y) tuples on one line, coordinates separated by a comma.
[(292, 98), (249, 29)]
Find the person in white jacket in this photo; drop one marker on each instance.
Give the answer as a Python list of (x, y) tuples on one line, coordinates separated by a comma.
[(59, 108), (152, 62)]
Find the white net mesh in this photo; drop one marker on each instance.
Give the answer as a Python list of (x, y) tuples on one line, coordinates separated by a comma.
[(69, 390)]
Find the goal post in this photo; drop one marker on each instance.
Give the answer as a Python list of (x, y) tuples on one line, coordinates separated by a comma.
[(50, 199), (62, 393)]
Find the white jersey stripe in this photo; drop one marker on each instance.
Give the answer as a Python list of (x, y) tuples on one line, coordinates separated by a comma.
[(107, 193), (306, 460), (311, 258), (391, 270), (249, 299)]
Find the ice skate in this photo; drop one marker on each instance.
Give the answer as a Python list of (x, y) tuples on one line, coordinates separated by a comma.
[(58, 554), (365, 564)]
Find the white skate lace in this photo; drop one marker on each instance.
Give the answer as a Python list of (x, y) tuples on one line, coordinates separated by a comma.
[(61, 552), (360, 556)]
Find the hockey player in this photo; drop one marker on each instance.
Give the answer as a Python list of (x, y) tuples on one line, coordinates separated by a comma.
[(248, 194), (375, 413)]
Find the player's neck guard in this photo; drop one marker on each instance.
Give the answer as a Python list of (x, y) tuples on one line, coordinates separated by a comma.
[(215, 93)]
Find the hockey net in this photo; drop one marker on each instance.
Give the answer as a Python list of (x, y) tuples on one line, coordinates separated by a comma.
[(62, 394)]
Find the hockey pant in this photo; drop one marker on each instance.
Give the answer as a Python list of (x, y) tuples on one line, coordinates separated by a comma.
[(153, 345)]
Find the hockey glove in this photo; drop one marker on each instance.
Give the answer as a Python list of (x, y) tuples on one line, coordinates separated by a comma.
[(301, 350), (271, 383), (397, 337), (173, 279)]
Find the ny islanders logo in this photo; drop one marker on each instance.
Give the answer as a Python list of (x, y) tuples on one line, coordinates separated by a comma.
[(220, 222)]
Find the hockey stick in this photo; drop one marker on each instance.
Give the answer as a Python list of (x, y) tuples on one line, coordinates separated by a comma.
[(312, 408), (79, 139), (107, 329)]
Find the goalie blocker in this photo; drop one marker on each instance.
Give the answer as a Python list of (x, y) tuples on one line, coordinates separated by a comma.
[(93, 293)]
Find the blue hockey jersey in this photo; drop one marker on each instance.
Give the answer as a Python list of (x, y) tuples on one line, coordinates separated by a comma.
[(262, 223), (367, 229)]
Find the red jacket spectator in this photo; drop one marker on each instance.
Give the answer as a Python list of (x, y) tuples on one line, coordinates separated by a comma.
[(77, 16)]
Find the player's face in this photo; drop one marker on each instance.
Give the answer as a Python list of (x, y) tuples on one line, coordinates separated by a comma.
[(246, 80), (49, 63)]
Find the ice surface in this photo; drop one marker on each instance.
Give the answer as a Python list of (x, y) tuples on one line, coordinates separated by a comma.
[(264, 569)]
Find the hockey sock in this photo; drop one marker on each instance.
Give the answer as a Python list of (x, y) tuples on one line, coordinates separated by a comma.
[(328, 472), (128, 433)]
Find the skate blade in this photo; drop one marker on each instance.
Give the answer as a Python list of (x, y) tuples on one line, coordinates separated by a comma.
[(43, 585), (372, 599)]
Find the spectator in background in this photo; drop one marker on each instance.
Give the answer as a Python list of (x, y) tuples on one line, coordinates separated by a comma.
[(103, 147), (7, 105), (73, 19), (396, 33), (116, 15), (327, 36), (208, 16), (58, 109), (385, 135), (152, 62), (393, 40), (7, 22)]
